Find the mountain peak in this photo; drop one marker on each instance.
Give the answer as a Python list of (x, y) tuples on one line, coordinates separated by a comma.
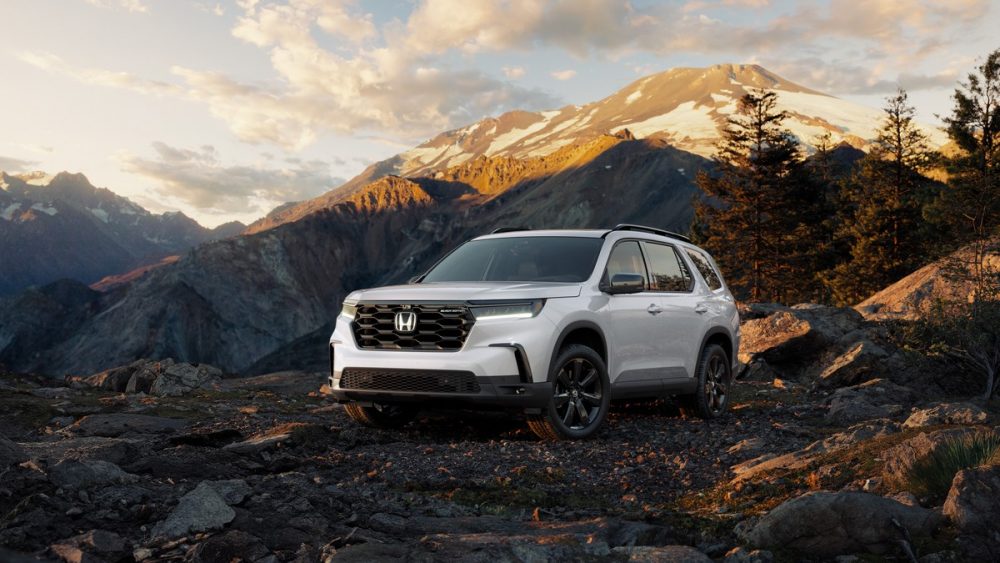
[(687, 107)]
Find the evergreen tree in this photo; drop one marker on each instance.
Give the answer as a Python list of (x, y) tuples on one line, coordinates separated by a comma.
[(970, 206), (882, 208), (758, 216)]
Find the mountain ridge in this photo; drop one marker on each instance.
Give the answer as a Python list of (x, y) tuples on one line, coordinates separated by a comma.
[(62, 226), (687, 107)]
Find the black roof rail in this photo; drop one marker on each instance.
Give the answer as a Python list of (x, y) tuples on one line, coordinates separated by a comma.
[(509, 230), (645, 229)]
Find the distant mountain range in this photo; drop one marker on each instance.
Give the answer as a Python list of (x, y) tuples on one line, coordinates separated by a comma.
[(265, 300), (686, 107), (54, 227)]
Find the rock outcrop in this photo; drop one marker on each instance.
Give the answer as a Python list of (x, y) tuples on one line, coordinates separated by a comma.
[(828, 524)]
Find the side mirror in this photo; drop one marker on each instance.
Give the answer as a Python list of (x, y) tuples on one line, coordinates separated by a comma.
[(626, 283)]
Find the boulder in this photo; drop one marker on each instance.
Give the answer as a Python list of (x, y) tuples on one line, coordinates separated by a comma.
[(76, 474), (947, 413), (827, 524), (114, 379), (796, 334), (900, 459), (232, 491), (117, 424), (181, 379), (875, 399), (11, 453), (200, 510), (973, 502), (857, 364), (142, 381)]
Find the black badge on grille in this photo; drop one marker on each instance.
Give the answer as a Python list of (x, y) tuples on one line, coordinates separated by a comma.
[(406, 322)]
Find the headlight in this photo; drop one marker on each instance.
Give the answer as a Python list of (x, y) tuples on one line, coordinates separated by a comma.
[(349, 309), (507, 309)]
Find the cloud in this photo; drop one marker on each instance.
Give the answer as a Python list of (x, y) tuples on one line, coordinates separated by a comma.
[(848, 78), (55, 64), (10, 164), (134, 6), (337, 68), (564, 74), (198, 178), (513, 72)]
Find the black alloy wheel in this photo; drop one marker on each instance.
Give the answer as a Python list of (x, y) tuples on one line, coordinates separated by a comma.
[(581, 396)]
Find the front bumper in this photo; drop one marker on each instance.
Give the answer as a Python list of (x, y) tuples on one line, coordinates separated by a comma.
[(500, 391)]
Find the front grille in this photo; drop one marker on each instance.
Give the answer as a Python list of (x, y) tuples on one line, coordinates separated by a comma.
[(439, 327), (413, 380)]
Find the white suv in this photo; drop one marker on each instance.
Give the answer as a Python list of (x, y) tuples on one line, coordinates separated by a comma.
[(556, 323)]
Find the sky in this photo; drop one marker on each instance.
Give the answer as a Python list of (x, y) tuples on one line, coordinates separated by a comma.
[(224, 110)]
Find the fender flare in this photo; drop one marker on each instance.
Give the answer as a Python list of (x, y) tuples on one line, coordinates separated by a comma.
[(562, 338), (715, 330)]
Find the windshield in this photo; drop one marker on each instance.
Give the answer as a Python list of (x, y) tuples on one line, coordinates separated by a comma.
[(522, 259)]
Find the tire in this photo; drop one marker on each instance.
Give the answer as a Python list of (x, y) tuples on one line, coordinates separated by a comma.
[(581, 396), (381, 415), (715, 379)]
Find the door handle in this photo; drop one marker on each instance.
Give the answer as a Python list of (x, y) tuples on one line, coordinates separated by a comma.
[(701, 308), (654, 309)]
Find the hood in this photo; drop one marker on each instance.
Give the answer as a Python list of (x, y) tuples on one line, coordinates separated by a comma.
[(467, 291)]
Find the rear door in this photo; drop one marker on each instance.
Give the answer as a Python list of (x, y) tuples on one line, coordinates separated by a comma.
[(681, 324)]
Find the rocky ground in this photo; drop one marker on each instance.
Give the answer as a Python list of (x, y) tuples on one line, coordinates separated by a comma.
[(171, 462)]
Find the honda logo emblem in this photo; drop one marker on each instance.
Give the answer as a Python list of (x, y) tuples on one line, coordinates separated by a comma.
[(406, 321)]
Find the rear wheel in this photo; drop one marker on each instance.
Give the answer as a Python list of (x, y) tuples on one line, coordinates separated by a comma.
[(381, 415), (715, 377), (581, 396)]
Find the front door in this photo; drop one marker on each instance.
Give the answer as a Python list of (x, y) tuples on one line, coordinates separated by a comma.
[(635, 323)]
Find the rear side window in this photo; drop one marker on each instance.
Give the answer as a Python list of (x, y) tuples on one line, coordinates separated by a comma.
[(704, 265), (667, 271), (626, 258)]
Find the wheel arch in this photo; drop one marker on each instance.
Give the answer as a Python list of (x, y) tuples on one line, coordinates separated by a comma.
[(587, 333), (721, 336)]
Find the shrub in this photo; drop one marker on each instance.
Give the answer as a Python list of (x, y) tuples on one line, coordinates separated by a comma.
[(931, 477)]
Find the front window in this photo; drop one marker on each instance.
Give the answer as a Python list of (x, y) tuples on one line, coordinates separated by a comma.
[(626, 258), (519, 259)]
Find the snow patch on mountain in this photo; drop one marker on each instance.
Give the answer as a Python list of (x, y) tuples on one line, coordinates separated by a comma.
[(101, 214), (46, 209), (8, 213), (507, 139), (633, 96)]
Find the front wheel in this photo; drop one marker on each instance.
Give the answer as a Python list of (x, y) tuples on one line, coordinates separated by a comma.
[(581, 396), (381, 415), (715, 377)]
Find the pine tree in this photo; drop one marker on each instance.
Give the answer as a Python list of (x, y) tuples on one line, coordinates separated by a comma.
[(970, 206), (755, 213), (884, 202)]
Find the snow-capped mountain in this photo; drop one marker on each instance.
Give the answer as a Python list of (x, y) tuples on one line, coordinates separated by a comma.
[(59, 226), (686, 107)]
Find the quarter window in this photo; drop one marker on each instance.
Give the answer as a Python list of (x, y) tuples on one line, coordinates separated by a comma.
[(704, 265), (626, 258), (667, 271)]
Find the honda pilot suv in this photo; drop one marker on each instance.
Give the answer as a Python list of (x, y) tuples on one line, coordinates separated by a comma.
[(554, 323)]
